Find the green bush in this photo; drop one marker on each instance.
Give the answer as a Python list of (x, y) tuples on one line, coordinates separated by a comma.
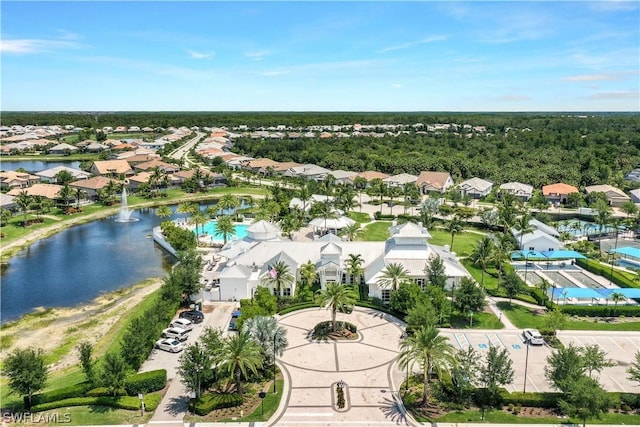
[(537, 400), (146, 382), (617, 277), (602, 310), (297, 307), (212, 401), (379, 216), (105, 391), (131, 403), (77, 390), (379, 307)]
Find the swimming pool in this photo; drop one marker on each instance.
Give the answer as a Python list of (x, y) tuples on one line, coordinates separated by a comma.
[(580, 228), (210, 227)]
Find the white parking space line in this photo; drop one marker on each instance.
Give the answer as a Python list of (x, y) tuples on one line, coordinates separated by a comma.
[(617, 345), (619, 385), (636, 342)]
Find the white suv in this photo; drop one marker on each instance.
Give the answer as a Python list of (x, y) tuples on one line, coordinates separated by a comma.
[(533, 336), (182, 324), (177, 333)]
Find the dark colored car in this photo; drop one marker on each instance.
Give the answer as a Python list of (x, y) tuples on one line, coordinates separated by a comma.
[(194, 315)]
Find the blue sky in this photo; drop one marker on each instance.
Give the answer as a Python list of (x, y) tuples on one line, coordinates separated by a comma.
[(321, 56)]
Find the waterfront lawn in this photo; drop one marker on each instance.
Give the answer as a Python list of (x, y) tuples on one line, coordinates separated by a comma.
[(523, 317), (376, 231), (14, 230)]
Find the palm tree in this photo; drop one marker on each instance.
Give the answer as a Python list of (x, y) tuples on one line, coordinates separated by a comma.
[(324, 210), (229, 202), (308, 276), (66, 193), (482, 255), (290, 223), (454, 226), (200, 218), (268, 334), (501, 253), (410, 192), (164, 211), (431, 352), (523, 226), (304, 194), (617, 297), (224, 227), (360, 184), (335, 296), (238, 356), (393, 276), (23, 201), (156, 178), (278, 277), (544, 286), (603, 216), (79, 193), (186, 208), (350, 231)]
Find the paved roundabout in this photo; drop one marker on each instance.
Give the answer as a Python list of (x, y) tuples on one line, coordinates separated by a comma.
[(367, 367)]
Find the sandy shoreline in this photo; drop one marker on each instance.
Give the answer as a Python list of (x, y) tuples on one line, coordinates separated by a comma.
[(64, 327)]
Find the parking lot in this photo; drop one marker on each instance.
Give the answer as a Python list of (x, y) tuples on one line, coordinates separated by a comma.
[(620, 348)]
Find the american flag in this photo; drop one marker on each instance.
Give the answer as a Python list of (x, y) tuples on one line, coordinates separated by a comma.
[(272, 272)]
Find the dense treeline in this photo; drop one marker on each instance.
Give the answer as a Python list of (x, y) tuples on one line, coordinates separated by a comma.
[(534, 157), (495, 122)]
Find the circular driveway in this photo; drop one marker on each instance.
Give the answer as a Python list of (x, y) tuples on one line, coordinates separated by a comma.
[(366, 365)]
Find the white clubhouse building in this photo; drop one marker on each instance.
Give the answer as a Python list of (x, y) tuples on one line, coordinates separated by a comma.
[(249, 259)]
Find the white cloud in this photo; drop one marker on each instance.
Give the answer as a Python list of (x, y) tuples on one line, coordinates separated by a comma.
[(274, 73), (257, 55), (592, 77), (397, 85), (27, 46), (199, 55), (410, 44), (616, 95)]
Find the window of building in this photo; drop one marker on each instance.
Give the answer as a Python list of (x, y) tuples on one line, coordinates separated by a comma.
[(286, 292), (386, 294), (275, 291), (420, 281)]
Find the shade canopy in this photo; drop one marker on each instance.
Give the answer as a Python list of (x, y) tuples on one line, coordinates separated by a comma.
[(629, 251), (563, 254), (332, 223), (586, 293)]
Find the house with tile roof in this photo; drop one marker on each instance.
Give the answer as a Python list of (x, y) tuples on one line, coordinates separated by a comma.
[(476, 188), (615, 196), (92, 185), (249, 261), (13, 179), (112, 168), (430, 181), (518, 190), (62, 149), (49, 175), (48, 191), (167, 168), (400, 180), (308, 171), (558, 193)]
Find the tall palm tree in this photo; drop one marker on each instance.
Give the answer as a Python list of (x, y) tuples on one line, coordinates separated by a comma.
[(268, 334), (229, 202), (603, 216), (335, 296), (501, 254), (199, 218), (79, 193), (431, 352), (393, 276), (164, 211), (324, 210), (23, 201), (308, 276), (410, 192), (278, 277), (304, 194), (482, 255), (523, 226), (454, 226), (360, 184), (66, 194), (186, 208), (544, 286), (617, 297), (350, 231), (239, 355), (155, 179), (224, 227)]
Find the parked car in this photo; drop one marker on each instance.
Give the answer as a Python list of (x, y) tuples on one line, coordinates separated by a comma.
[(234, 316), (533, 336), (194, 315), (177, 333), (170, 344), (182, 323)]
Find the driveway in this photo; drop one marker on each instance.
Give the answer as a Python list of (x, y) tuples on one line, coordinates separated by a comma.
[(367, 367), (174, 405)]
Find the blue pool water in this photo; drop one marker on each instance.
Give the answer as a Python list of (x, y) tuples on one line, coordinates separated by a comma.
[(625, 263), (210, 227), (579, 228)]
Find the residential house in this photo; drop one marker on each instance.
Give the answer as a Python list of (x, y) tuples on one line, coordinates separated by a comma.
[(167, 168), (615, 196), (7, 202), (62, 149), (343, 177), (430, 181), (48, 191), (49, 175), (542, 237), (558, 193), (400, 180), (112, 168), (635, 195), (134, 182), (262, 166), (216, 179), (96, 147), (519, 190), (475, 188), (250, 260), (13, 179), (92, 185), (369, 176), (308, 171)]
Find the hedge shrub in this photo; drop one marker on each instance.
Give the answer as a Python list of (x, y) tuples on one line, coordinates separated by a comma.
[(105, 391), (617, 277), (212, 401), (146, 382), (77, 390), (602, 310), (383, 308), (537, 400), (151, 402), (297, 307)]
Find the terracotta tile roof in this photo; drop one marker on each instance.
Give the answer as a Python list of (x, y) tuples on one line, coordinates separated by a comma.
[(559, 188), (103, 167), (434, 179), (48, 191), (93, 183), (369, 175)]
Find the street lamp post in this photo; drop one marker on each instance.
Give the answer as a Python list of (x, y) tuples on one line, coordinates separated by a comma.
[(526, 365), (262, 395), (471, 319), (406, 384)]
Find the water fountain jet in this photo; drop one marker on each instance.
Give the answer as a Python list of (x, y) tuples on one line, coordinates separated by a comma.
[(125, 214)]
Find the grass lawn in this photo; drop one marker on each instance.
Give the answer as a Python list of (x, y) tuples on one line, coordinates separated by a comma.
[(491, 283), (271, 402), (375, 232), (522, 317), (480, 321), (463, 243), (360, 217), (96, 415), (503, 417)]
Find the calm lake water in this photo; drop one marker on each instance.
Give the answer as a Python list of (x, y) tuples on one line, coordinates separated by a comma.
[(78, 264), (35, 165)]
